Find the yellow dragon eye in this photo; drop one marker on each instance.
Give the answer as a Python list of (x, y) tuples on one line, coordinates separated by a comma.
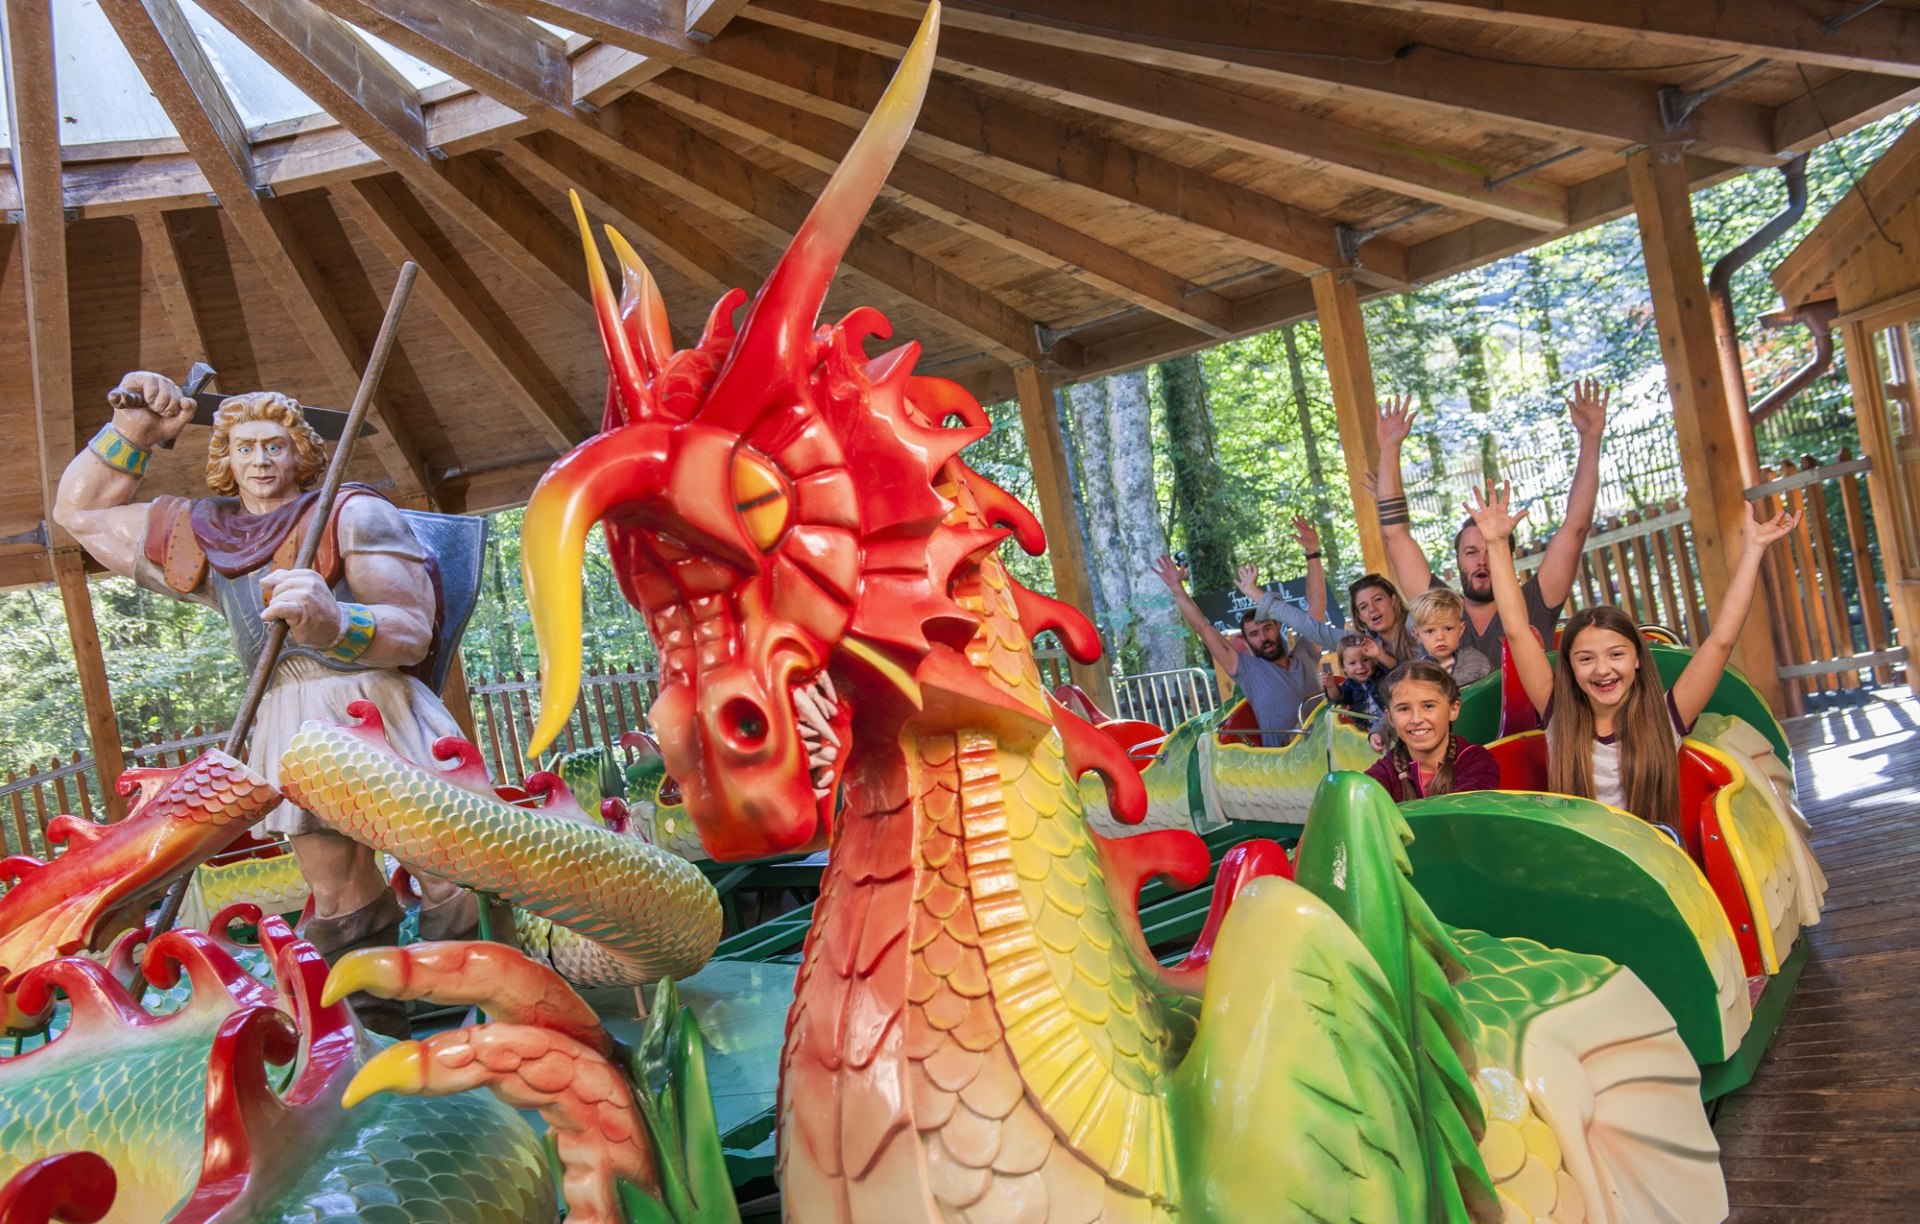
[(760, 496)]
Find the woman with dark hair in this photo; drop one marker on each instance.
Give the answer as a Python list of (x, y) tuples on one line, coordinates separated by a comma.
[(1427, 758), (1613, 730), (1380, 613)]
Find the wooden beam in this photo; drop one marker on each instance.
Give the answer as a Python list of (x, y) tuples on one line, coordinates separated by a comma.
[(652, 141), (501, 487), (269, 237), (953, 199), (169, 23), (20, 569), (34, 111), (1157, 98), (1052, 481), (709, 17), (1837, 106), (644, 211), (641, 26), (1160, 340), (962, 123), (1880, 39), (1702, 417), (1324, 51), (1343, 340), (528, 237), (487, 44), (375, 207), (329, 64), (96, 696), (170, 283)]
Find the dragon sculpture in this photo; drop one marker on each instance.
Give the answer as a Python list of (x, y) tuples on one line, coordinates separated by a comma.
[(979, 1031)]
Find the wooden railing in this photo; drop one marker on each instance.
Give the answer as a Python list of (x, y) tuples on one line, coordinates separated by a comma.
[(1832, 631), (504, 710), (1643, 562)]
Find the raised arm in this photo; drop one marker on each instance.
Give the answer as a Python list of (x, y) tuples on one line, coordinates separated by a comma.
[(95, 500), (1529, 656), (1174, 575), (1309, 537), (1693, 688), (1410, 568), (1560, 564)]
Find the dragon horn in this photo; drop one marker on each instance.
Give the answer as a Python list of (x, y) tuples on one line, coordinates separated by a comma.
[(624, 367), (641, 303), (790, 302), (592, 478)]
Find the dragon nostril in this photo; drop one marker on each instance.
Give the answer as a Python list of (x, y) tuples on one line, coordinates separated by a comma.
[(744, 722)]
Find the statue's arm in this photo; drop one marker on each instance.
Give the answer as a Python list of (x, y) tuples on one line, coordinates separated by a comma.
[(399, 595), (95, 501)]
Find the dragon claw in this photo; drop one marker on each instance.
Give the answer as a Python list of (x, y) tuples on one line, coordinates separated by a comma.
[(377, 970), (399, 1068)]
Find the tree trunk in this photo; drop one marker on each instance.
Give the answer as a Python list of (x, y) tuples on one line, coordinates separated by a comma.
[(1472, 347), (1540, 301), (1323, 496), (1130, 435), (1100, 517), (1199, 494)]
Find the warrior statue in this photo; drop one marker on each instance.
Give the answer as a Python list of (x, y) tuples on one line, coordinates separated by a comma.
[(368, 623)]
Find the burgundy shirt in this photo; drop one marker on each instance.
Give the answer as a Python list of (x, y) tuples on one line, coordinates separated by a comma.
[(1474, 769)]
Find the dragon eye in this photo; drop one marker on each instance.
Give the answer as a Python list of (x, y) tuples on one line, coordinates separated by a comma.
[(760, 496)]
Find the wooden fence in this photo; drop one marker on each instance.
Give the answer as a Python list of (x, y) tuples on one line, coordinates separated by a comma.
[(71, 787), (1825, 583), (1826, 596)]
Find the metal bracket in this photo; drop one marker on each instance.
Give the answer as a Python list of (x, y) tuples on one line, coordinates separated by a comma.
[(1677, 105), (37, 536)]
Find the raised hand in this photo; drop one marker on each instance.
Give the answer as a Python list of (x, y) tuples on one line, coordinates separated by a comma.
[(149, 408), (1491, 515), (1395, 422), (1307, 534), (1171, 572), (1758, 534), (1588, 408), (302, 599), (1248, 580)]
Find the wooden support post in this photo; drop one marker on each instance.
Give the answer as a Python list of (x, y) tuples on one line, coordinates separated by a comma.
[(70, 574), (1892, 487), (1710, 453), (1343, 341), (1047, 449), (459, 701)]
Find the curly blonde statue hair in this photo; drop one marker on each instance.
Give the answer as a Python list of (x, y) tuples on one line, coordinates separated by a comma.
[(309, 450)]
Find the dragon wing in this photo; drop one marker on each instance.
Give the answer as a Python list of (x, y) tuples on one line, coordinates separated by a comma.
[(1298, 1099)]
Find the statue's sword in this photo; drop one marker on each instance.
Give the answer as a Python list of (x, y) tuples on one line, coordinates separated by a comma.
[(331, 423), (350, 430)]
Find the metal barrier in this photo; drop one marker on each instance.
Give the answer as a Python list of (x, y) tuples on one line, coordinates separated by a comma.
[(1164, 698)]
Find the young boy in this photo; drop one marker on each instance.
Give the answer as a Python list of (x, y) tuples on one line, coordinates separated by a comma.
[(1355, 690), (1439, 618)]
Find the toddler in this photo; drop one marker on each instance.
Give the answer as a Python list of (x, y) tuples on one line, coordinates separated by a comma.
[(1356, 689), (1439, 619)]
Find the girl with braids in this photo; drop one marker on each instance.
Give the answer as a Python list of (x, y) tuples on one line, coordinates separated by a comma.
[(1613, 732), (1427, 758)]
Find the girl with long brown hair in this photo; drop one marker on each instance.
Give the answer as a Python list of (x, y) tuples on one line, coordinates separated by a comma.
[(1427, 758), (1613, 732)]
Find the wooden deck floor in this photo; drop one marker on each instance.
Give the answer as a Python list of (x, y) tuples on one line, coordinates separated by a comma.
[(1829, 1129)]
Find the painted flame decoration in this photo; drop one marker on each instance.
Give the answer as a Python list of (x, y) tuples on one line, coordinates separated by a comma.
[(775, 340)]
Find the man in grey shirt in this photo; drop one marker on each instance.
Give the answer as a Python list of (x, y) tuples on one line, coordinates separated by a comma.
[(1274, 677)]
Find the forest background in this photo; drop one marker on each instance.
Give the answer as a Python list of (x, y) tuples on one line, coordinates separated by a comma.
[(1210, 455)]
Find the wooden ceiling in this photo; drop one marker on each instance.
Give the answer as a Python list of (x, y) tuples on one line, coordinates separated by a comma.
[(1093, 184)]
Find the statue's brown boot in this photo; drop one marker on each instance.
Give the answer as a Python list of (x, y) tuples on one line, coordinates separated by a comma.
[(374, 925), (458, 917)]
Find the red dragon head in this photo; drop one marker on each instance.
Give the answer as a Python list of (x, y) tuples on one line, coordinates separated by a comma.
[(778, 505)]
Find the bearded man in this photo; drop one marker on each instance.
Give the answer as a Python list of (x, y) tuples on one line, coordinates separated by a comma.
[(365, 624), (1275, 677), (1547, 589)]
